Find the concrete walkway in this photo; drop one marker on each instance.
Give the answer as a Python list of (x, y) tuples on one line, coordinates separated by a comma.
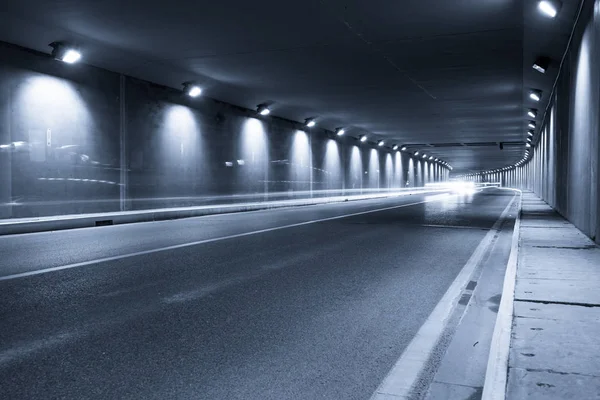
[(555, 345)]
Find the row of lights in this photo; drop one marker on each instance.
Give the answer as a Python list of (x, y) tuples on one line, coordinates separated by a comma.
[(549, 8), (494, 171), (263, 109), (70, 55)]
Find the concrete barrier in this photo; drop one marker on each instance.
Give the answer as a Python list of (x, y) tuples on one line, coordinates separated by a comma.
[(43, 224)]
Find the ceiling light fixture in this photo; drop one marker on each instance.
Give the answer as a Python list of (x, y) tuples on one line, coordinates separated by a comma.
[(363, 138), (530, 133), (395, 147), (549, 8), (310, 122), (380, 143), (191, 89), (340, 131), (535, 95), (416, 153), (263, 109), (403, 148), (531, 125), (541, 64), (63, 52), (532, 112)]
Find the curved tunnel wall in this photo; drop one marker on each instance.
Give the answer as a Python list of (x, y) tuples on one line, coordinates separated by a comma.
[(564, 169), (78, 139)]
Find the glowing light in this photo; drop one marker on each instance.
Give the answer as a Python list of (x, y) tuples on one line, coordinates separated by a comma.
[(192, 90), (310, 122), (535, 95), (380, 143), (548, 8), (530, 133), (395, 147), (416, 153), (531, 125), (403, 148), (71, 56), (263, 110), (528, 145), (341, 131), (363, 138), (532, 113)]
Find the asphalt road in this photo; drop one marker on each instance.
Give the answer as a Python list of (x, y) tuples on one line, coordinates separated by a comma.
[(319, 310)]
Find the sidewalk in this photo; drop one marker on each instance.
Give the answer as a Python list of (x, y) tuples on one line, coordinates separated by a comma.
[(555, 344)]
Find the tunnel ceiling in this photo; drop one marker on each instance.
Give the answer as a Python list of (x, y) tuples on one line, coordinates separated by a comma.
[(448, 77)]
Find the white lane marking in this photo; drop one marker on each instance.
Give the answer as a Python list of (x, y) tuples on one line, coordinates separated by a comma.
[(496, 374), (482, 228), (402, 378), (199, 242)]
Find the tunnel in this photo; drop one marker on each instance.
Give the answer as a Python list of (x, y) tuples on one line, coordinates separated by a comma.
[(317, 199)]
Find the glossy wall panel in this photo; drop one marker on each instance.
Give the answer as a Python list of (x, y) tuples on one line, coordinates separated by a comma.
[(78, 139), (60, 140)]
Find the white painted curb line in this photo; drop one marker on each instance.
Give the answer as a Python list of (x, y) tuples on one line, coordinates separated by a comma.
[(400, 382), (496, 375)]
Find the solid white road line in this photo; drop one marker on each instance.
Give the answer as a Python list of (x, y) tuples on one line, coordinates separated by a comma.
[(496, 375), (401, 380), (183, 245)]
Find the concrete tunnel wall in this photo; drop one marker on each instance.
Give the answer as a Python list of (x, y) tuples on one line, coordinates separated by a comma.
[(563, 169), (79, 139)]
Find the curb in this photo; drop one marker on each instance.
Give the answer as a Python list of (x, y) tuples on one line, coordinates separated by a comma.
[(45, 224), (496, 375), (403, 378)]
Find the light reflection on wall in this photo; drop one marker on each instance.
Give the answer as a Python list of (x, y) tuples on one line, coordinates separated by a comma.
[(432, 172), (399, 178), (51, 113), (180, 137), (411, 178), (419, 173), (300, 166), (389, 171), (373, 171), (583, 123), (356, 169), (425, 172), (333, 165), (254, 150)]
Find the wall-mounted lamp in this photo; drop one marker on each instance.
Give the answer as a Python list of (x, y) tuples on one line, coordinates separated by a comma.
[(550, 8), (191, 89), (263, 109), (541, 64), (64, 52)]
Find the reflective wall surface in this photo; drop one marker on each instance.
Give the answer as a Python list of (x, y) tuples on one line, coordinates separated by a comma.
[(564, 168), (77, 139)]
